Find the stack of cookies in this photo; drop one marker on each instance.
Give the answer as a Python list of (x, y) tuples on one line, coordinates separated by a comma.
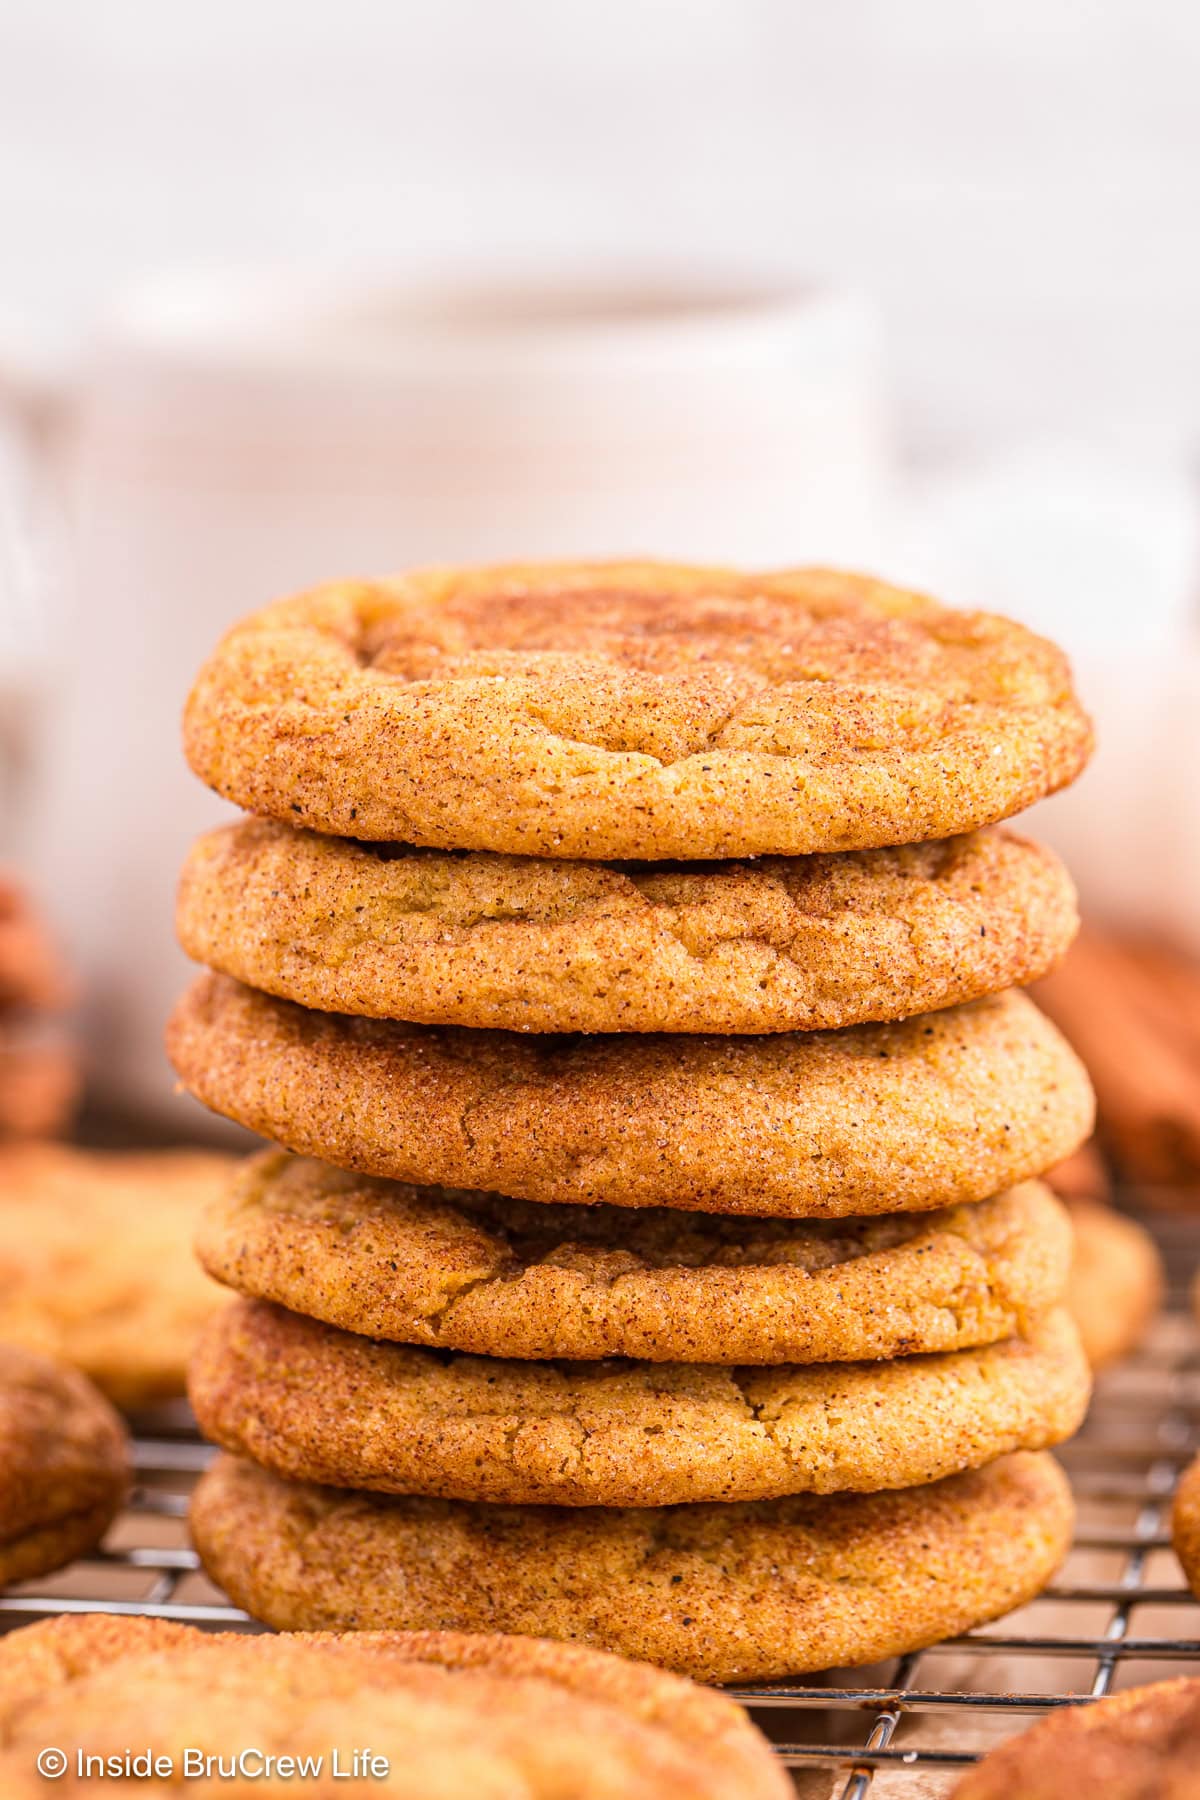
[(656, 1257)]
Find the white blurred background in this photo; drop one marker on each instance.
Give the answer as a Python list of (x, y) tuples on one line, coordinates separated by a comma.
[(250, 337), (1016, 185)]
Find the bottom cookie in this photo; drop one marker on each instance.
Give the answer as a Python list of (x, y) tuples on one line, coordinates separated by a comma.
[(446, 1717), (723, 1592)]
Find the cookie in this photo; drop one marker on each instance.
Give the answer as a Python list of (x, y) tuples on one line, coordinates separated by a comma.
[(520, 944), (96, 1264), (453, 1717), (64, 1465), (724, 1592), (1116, 1284), (1128, 1747), (498, 1277), (1185, 1524), (633, 710), (317, 1404), (943, 1108)]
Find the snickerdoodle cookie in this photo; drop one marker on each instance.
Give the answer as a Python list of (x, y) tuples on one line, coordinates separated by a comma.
[(1185, 1524), (317, 1404), (723, 1592), (452, 1716), (96, 1264), (64, 1465), (1116, 1283), (1131, 1746), (477, 1272), (513, 943), (946, 1107), (633, 710)]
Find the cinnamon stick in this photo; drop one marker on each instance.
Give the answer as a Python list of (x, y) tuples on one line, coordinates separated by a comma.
[(39, 1087), (1134, 1029), (1081, 1176), (32, 976)]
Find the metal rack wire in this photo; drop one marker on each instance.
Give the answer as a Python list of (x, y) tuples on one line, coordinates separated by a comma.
[(1118, 1615)]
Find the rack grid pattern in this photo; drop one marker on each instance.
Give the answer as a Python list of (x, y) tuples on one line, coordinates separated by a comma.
[(1118, 1616)]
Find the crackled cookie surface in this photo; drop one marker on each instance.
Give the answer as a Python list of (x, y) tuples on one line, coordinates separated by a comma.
[(317, 1404), (503, 1277), (64, 1465), (633, 710), (96, 1263), (723, 1592), (946, 1107), (527, 944), (455, 1717)]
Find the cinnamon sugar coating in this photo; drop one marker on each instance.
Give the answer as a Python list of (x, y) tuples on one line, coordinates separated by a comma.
[(641, 710), (946, 1107), (527, 944), (723, 1592)]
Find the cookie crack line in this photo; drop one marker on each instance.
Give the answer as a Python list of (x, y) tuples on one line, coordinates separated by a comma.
[(440, 1315), (706, 746)]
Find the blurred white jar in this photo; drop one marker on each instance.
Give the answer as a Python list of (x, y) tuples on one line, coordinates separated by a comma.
[(1103, 555), (236, 439)]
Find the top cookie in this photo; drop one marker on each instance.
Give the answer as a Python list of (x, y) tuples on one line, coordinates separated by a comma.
[(454, 1716), (634, 710)]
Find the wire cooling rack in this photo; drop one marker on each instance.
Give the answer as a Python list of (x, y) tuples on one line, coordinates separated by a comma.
[(1117, 1616)]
